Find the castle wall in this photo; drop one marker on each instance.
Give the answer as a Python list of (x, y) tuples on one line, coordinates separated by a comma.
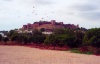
[(48, 25)]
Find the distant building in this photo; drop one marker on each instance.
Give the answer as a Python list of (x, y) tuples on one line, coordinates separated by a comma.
[(2, 34), (48, 25), (48, 31), (24, 31)]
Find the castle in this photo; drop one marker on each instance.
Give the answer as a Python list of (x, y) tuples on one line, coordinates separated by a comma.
[(48, 25)]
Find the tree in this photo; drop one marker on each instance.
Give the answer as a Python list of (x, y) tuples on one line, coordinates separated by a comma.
[(65, 37), (54, 41), (78, 38), (20, 39), (70, 41), (47, 41), (13, 35), (36, 32), (60, 40), (92, 37), (51, 40), (26, 40), (5, 39), (11, 32), (38, 37), (0, 37), (14, 38)]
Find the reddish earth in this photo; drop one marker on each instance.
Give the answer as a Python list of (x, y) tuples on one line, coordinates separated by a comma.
[(27, 55)]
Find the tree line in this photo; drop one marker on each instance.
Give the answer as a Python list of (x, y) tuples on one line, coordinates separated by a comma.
[(73, 38)]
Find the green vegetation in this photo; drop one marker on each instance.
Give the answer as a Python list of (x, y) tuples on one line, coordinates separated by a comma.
[(76, 50), (5, 39), (0, 37), (73, 38), (92, 37)]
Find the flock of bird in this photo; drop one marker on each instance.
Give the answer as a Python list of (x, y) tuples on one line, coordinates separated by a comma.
[(36, 13)]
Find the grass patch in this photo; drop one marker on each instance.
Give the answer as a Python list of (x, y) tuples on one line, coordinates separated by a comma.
[(76, 50), (89, 53)]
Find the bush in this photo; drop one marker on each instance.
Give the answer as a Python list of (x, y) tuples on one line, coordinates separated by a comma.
[(92, 37), (70, 42), (5, 39), (75, 50), (0, 37), (81, 51)]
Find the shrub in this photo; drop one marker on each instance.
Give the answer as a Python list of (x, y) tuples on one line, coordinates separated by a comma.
[(5, 39), (92, 37), (0, 37)]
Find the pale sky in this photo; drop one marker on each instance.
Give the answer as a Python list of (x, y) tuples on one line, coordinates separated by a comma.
[(16, 13)]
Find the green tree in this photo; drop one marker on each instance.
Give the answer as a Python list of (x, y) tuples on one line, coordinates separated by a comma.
[(65, 37), (47, 41), (51, 40), (20, 39), (92, 37), (0, 37), (11, 32), (37, 37), (36, 32), (5, 39), (54, 40), (26, 40), (70, 41), (14, 37), (78, 38), (60, 40)]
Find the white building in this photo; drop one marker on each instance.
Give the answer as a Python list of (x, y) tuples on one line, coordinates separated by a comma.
[(47, 32), (2, 34)]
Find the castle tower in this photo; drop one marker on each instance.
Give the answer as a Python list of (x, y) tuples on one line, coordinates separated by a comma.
[(61, 23), (53, 22), (24, 27), (29, 26), (77, 25)]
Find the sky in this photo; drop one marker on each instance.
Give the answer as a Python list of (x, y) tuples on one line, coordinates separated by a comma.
[(16, 13)]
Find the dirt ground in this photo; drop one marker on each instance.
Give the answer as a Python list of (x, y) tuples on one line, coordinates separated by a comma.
[(28, 55)]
